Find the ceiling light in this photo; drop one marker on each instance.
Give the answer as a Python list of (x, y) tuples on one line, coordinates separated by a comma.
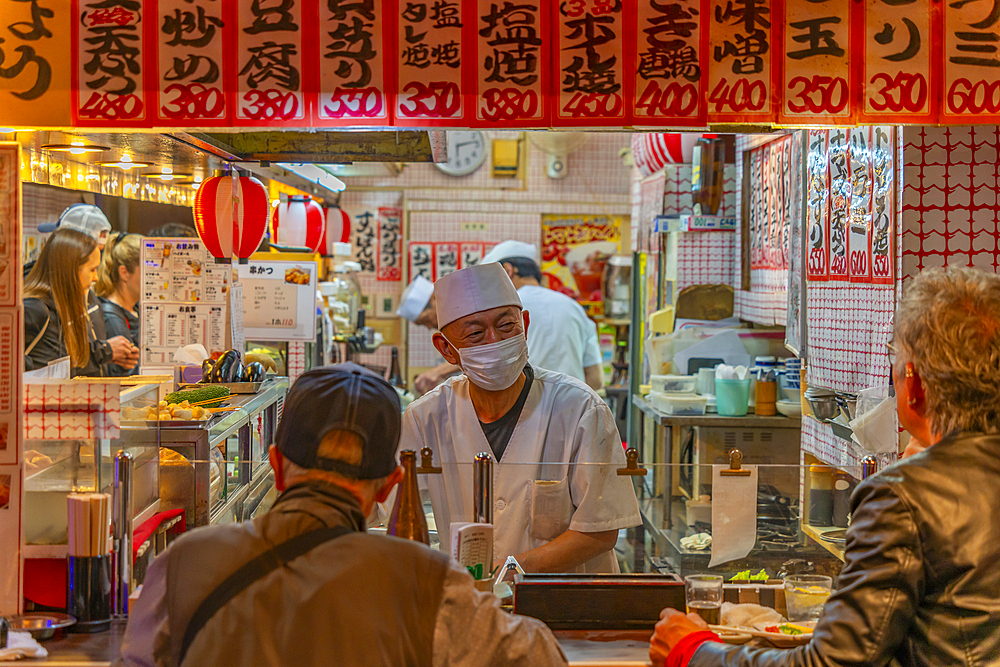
[(166, 174), (7, 130), (75, 148), (125, 163), (314, 174)]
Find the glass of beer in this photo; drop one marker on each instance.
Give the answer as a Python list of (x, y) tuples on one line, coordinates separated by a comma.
[(703, 596)]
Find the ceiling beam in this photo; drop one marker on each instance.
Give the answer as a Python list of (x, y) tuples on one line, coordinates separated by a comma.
[(325, 147)]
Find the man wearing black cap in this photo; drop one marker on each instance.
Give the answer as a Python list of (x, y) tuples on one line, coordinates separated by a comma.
[(304, 584)]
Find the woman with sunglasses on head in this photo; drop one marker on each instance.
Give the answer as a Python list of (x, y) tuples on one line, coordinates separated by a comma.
[(56, 322), (118, 286)]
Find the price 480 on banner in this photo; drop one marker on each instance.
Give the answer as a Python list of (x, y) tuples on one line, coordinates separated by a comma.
[(496, 63)]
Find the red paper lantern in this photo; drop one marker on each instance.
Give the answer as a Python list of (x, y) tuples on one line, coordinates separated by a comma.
[(223, 233), (338, 228), (654, 150), (299, 223)]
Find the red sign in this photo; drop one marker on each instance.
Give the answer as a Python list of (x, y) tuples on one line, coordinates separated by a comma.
[(817, 82), (589, 62), (192, 40), (859, 235), (512, 68), (671, 63), (741, 76), (108, 79), (430, 74), (896, 63), (971, 92), (840, 201), (816, 228), (351, 66), (883, 204), (390, 244), (269, 89)]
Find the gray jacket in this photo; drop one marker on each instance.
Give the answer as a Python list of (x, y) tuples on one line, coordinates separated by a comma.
[(921, 581), (358, 599)]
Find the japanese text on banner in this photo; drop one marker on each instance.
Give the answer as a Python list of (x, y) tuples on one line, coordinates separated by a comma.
[(422, 260), (429, 62), (591, 69), (971, 61), (390, 244), (352, 79), (740, 74), (111, 52), (34, 70), (190, 62), (366, 240), (446, 258), (860, 217), (817, 64), (817, 206), (669, 78), (269, 57), (883, 204), (840, 201), (511, 70), (897, 62)]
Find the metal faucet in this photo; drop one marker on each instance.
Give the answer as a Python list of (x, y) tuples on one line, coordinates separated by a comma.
[(122, 532)]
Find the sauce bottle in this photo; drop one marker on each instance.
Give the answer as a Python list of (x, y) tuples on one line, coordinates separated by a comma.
[(407, 519)]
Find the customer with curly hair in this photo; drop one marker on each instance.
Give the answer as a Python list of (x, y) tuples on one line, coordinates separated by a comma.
[(920, 582)]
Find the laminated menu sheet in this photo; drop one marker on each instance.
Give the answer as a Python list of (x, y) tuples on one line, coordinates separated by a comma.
[(734, 514), (183, 298)]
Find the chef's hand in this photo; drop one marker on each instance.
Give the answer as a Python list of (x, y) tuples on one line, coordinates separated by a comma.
[(125, 354), (426, 381), (672, 628)]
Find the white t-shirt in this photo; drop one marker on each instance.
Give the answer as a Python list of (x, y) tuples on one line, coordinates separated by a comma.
[(561, 337)]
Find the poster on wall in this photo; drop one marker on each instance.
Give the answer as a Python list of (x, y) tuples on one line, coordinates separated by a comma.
[(11, 312), (364, 232), (770, 204), (839, 204), (883, 204), (434, 260), (279, 300), (390, 244), (817, 206), (859, 241), (575, 249)]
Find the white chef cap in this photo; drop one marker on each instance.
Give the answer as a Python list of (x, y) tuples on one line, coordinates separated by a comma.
[(473, 290), (415, 298), (510, 250)]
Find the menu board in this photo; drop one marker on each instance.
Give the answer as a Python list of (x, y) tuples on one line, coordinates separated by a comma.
[(183, 299), (279, 300)]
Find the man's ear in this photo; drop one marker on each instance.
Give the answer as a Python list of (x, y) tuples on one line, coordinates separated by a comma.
[(395, 478), (278, 466), (445, 349), (509, 268), (526, 319)]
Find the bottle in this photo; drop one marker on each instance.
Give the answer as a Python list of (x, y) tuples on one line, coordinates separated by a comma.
[(395, 376), (407, 520), (820, 495)]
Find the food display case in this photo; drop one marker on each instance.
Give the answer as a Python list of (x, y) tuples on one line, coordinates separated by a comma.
[(57, 465), (217, 471)]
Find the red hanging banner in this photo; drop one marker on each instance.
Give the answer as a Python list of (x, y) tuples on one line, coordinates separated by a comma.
[(512, 72), (816, 226), (390, 244), (671, 63), (192, 40), (429, 69), (817, 86), (109, 82), (883, 204), (859, 237), (895, 63), (742, 72), (971, 90), (840, 202), (351, 64), (590, 80), (269, 89)]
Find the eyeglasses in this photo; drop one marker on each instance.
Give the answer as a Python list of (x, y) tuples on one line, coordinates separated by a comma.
[(892, 354)]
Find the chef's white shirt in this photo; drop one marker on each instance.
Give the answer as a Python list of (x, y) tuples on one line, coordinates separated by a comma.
[(561, 337), (563, 422)]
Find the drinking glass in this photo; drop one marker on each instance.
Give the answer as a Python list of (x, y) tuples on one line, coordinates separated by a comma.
[(805, 595), (703, 596)]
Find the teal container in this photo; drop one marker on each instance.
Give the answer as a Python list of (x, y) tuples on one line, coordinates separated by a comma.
[(732, 397)]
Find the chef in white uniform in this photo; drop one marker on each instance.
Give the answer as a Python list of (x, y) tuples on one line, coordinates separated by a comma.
[(562, 337), (417, 305), (558, 502)]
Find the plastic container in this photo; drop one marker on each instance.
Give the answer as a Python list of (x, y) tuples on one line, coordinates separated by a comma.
[(679, 405), (674, 384), (732, 397)]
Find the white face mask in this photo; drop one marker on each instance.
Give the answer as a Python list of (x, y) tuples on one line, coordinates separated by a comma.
[(495, 366)]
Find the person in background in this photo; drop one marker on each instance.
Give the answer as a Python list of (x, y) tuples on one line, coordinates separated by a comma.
[(333, 594), (118, 287), (557, 515), (562, 337), (417, 305), (56, 321), (920, 583)]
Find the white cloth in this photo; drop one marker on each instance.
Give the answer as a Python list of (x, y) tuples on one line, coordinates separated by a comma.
[(22, 645), (473, 290), (563, 421), (561, 337), (415, 298), (511, 250)]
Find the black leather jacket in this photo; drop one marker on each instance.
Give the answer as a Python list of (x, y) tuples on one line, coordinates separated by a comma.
[(41, 317), (921, 581)]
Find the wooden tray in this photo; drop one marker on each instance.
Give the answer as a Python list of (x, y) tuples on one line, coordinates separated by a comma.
[(233, 387)]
